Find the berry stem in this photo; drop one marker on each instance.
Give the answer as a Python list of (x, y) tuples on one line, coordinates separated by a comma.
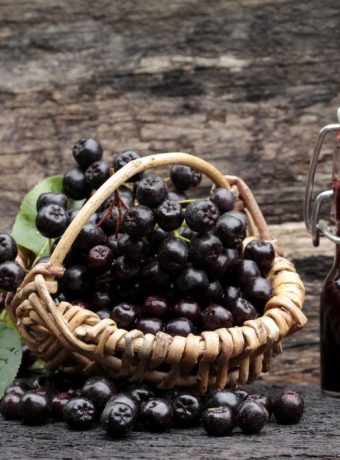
[(186, 201), (180, 237)]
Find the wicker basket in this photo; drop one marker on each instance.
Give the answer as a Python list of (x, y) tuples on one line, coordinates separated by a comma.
[(75, 339)]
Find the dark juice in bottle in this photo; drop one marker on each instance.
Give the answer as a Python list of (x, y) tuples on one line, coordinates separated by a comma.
[(330, 315)]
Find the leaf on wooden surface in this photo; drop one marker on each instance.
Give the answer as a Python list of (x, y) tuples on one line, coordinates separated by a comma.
[(10, 356)]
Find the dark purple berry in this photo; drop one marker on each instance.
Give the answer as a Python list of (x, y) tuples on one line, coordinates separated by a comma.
[(241, 393), (76, 281), (112, 242), (104, 313), (156, 306), (58, 403), (157, 414), (224, 199), (153, 276), (176, 195), (251, 417), (218, 266), (201, 215), (288, 407), (52, 198), (215, 317), (156, 237), (187, 409), (87, 151), (119, 421), (184, 177), (258, 291), (124, 270), (261, 398), (125, 398), (75, 185), (98, 390), (134, 249), (231, 295), (96, 174), (52, 220), (9, 406), (223, 398), (242, 311), (140, 392), (187, 308), (126, 315), (79, 413), (173, 254), (28, 358), (214, 293), (11, 275), (100, 300), (218, 421), (204, 249), (230, 230), (138, 221), (151, 190), (169, 215), (149, 325), (89, 236), (17, 386), (242, 270), (122, 159), (192, 281), (100, 258), (179, 326), (262, 252), (34, 408)]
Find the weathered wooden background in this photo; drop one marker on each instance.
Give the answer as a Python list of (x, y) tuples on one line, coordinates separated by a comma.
[(244, 83)]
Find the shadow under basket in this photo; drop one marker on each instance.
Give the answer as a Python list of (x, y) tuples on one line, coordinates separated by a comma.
[(74, 339)]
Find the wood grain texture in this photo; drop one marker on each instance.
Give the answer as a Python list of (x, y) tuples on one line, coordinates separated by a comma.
[(245, 84)]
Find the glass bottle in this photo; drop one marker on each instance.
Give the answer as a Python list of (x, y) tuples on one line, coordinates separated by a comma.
[(330, 294)]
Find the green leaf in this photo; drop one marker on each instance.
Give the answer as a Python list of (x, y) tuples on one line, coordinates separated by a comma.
[(24, 231), (10, 356)]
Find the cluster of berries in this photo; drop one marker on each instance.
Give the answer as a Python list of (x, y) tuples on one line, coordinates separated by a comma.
[(150, 257), (81, 404)]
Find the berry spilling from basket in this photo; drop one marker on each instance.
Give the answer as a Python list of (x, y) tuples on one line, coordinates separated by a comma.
[(82, 404)]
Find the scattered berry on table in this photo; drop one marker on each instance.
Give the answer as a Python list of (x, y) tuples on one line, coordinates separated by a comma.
[(218, 421), (157, 414), (288, 407), (252, 417), (34, 407), (79, 413), (119, 421)]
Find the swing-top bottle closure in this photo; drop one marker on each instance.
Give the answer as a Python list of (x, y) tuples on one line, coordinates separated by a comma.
[(312, 210)]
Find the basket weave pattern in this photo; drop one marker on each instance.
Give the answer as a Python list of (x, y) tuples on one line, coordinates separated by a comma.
[(73, 338)]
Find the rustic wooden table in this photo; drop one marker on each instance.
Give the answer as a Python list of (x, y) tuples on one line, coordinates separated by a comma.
[(316, 437), (244, 83)]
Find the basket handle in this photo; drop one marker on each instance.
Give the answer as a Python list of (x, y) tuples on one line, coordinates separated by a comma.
[(139, 165)]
